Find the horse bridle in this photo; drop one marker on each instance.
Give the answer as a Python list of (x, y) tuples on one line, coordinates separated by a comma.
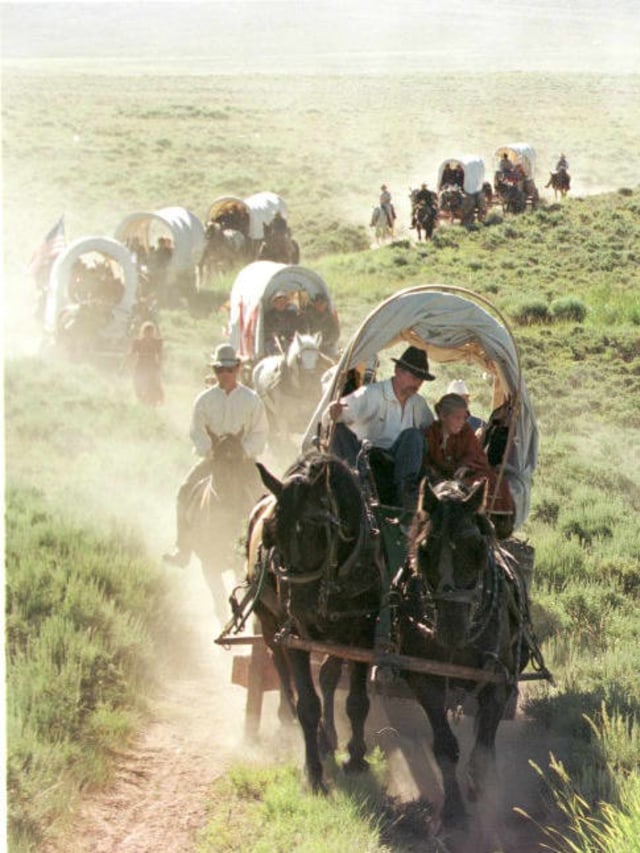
[(446, 590), (328, 520)]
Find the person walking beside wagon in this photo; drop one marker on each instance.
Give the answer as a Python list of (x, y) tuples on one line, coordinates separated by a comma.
[(392, 416), (227, 408), (146, 356)]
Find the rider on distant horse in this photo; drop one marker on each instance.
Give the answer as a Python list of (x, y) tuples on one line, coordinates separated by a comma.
[(422, 198), (227, 408), (279, 225), (387, 206)]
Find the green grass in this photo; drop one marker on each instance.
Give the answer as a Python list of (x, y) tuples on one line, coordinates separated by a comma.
[(83, 610)]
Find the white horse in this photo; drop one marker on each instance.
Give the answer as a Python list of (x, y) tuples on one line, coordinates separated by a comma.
[(380, 223), (290, 386)]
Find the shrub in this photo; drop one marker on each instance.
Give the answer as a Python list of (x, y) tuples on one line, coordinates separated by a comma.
[(569, 308), (530, 311)]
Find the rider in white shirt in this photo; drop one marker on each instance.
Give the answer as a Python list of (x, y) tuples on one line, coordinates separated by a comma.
[(227, 408)]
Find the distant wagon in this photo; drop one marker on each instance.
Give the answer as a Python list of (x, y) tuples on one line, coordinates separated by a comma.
[(251, 295), (462, 190), (91, 297), (514, 177), (167, 245), (237, 230)]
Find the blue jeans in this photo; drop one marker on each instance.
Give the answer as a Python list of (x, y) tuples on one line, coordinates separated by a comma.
[(405, 457)]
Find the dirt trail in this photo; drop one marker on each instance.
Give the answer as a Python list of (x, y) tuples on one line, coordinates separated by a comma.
[(158, 799)]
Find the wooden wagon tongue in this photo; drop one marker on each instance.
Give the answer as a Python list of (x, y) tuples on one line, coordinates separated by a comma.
[(446, 670)]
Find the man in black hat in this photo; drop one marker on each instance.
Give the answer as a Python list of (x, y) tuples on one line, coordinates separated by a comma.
[(392, 416)]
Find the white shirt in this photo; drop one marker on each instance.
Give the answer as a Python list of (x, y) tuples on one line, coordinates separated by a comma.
[(375, 413), (240, 409)]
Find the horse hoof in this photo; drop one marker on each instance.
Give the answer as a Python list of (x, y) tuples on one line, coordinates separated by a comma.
[(319, 788), (353, 767)]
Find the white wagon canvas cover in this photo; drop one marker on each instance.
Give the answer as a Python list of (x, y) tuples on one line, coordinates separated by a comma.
[(186, 230), (251, 293), (58, 296), (450, 327), (260, 209), (519, 152), (473, 167)]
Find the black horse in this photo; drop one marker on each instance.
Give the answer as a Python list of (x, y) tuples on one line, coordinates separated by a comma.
[(316, 553), (424, 212), (462, 601)]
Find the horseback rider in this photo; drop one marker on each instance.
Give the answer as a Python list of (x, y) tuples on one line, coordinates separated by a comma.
[(387, 206), (279, 225), (226, 408), (392, 416), (563, 164), (422, 198)]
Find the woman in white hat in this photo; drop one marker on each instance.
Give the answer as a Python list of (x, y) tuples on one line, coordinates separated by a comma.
[(226, 408)]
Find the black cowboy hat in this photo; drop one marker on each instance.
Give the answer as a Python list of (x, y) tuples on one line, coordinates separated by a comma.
[(415, 361)]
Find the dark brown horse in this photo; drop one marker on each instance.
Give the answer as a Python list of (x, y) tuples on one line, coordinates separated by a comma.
[(278, 245), (314, 549), (560, 182), (424, 213), (462, 601)]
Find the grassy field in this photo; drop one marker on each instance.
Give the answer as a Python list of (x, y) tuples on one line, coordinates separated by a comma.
[(91, 477)]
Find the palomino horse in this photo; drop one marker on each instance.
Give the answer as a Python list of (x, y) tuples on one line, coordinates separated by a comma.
[(462, 601), (380, 223), (217, 506), (316, 558), (560, 182), (290, 385)]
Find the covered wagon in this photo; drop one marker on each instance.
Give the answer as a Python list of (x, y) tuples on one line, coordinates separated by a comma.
[(514, 176), (251, 298), (462, 188), (91, 295), (169, 244), (451, 325), (247, 216)]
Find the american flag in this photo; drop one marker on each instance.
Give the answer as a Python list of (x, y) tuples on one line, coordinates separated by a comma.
[(48, 251)]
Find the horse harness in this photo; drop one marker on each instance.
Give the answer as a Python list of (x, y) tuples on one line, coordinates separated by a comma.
[(342, 578)]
